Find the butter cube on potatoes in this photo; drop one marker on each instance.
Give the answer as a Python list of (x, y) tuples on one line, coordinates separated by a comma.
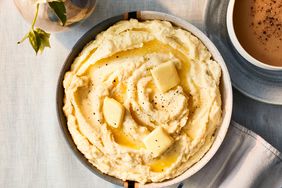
[(113, 112), (158, 141), (165, 76)]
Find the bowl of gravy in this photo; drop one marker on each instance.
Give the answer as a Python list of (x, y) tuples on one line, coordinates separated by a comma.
[(255, 29)]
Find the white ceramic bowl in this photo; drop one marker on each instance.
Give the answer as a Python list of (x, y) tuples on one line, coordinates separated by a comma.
[(238, 46), (226, 92), (225, 88)]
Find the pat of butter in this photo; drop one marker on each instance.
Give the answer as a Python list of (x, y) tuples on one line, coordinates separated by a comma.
[(113, 112), (158, 141), (165, 76)]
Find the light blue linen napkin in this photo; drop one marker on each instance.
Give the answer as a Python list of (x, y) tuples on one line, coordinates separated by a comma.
[(244, 160)]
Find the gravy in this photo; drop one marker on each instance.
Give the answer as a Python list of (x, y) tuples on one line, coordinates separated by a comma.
[(258, 26)]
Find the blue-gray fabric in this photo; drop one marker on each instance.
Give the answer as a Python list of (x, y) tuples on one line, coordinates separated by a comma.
[(244, 160)]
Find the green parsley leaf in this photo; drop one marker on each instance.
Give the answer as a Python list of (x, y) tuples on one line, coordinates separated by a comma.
[(34, 40), (43, 38), (38, 38), (60, 10)]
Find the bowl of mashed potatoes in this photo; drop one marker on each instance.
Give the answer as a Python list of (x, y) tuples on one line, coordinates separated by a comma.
[(145, 99)]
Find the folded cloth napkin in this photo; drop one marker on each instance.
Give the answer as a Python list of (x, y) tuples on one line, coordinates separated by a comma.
[(244, 160)]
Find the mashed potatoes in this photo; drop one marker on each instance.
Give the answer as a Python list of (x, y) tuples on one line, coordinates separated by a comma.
[(142, 100)]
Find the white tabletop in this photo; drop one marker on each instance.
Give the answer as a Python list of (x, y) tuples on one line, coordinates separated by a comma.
[(33, 152)]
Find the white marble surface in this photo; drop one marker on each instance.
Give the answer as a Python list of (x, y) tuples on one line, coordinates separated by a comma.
[(33, 152)]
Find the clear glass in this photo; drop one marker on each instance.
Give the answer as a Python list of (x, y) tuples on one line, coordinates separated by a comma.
[(77, 10)]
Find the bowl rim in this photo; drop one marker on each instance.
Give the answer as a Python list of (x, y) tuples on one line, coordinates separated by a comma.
[(225, 85), (237, 44)]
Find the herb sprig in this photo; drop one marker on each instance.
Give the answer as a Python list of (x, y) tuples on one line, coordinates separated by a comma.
[(38, 38)]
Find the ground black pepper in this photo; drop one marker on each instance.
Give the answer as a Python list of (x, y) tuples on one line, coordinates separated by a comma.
[(270, 22)]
